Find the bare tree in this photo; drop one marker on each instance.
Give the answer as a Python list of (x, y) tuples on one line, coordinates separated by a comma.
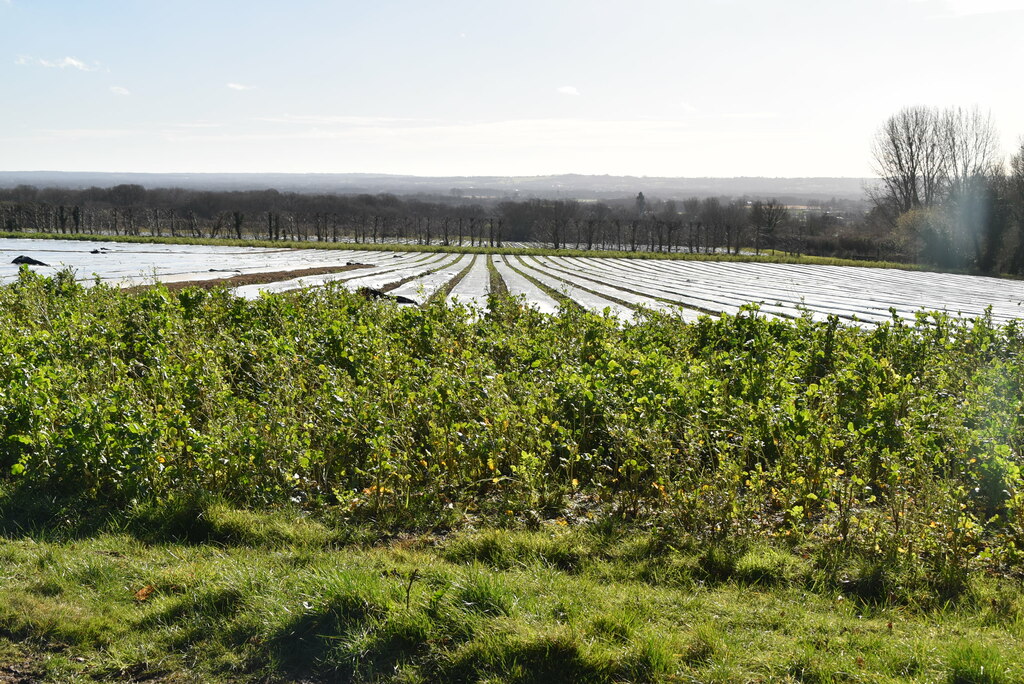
[(970, 147), (909, 157), (737, 216), (1017, 168), (765, 217), (691, 210), (927, 157), (712, 218)]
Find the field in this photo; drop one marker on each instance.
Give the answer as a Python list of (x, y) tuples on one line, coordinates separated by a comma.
[(318, 487), (862, 295)]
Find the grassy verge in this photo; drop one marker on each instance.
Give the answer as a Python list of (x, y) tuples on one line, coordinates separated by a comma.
[(273, 597), (775, 258)]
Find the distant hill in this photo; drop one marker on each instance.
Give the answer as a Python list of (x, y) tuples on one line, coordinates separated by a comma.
[(569, 186)]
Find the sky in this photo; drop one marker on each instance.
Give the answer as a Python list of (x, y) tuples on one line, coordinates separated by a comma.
[(686, 88)]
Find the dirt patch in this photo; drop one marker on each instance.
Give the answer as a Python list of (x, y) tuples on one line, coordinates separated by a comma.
[(22, 672), (253, 278), (18, 664)]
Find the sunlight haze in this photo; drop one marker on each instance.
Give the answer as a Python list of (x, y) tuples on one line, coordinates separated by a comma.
[(711, 88)]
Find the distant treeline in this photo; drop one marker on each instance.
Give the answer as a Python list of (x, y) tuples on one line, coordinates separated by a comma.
[(632, 224)]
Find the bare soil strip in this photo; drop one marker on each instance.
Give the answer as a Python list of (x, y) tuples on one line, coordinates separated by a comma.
[(253, 278)]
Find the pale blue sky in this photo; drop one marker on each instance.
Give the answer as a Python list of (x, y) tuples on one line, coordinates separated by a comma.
[(473, 87)]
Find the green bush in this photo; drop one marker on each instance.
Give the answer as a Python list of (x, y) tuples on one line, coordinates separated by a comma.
[(900, 443)]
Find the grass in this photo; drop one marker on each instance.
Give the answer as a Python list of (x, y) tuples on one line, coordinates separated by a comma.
[(278, 599), (496, 284)]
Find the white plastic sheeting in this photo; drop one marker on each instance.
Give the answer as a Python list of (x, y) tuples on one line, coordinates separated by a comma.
[(620, 285)]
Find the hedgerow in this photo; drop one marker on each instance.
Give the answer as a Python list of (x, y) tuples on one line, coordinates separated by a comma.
[(902, 441)]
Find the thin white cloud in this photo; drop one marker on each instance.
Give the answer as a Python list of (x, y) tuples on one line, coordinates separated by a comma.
[(67, 62), (118, 90), (569, 90), (240, 86), (63, 63)]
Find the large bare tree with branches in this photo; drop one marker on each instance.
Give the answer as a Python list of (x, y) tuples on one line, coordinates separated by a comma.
[(927, 157), (908, 154), (970, 147), (944, 166)]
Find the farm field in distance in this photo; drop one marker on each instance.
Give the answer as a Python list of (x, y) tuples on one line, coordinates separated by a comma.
[(622, 285), (214, 485)]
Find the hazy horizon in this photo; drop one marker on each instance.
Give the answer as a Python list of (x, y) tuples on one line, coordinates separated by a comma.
[(583, 187), (650, 88)]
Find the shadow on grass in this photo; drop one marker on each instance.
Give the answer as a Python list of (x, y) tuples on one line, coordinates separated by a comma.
[(34, 513), (198, 519), (348, 637)]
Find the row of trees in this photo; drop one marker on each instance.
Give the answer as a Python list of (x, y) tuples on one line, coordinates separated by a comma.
[(945, 192), (694, 225), (703, 225)]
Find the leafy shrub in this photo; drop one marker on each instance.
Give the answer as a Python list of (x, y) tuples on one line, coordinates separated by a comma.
[(900, 443)]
